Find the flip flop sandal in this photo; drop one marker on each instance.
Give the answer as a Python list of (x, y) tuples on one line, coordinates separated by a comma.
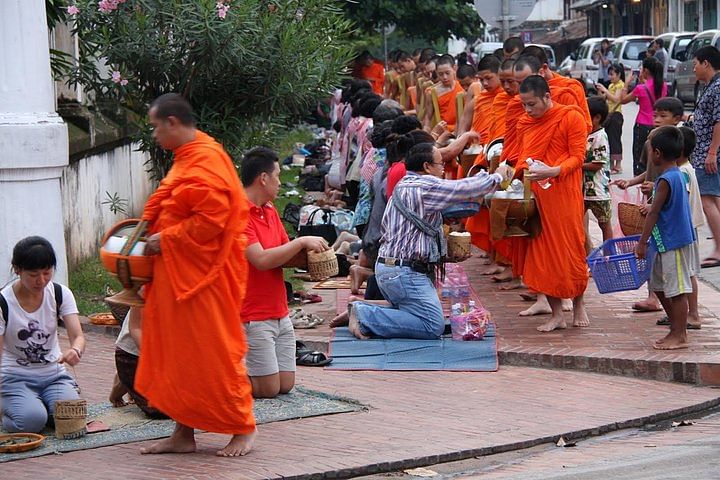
[(311, 358), (639, 307), (664, 321), (710, 263), (303, 322)]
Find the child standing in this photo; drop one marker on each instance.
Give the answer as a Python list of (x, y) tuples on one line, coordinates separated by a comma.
[(698, 219), (614, 123), (669, 224), (596, 171), (667, 111)]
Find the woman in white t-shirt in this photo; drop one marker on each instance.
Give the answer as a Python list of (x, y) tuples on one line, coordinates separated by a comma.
[(32, 365)]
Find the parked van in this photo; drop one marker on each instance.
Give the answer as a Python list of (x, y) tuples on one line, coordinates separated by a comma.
[(675, 43), (687, 87), (584, 68), (628, 50), (486, 48)]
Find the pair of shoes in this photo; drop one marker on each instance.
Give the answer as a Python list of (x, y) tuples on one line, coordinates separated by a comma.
[(306, 357), (710, 262), (304, 320)]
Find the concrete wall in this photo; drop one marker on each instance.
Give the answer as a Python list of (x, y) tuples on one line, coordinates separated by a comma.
[(84, 184)]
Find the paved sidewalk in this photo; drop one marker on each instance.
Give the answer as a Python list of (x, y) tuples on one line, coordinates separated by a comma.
[(415, 418)]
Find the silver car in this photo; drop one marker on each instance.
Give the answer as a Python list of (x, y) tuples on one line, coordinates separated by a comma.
[(687, 87), (675, 43), (584, 68), (628, 51)]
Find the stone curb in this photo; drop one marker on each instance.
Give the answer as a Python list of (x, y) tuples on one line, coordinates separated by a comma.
[(385, 467)]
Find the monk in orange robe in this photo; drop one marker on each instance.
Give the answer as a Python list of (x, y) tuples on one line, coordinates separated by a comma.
[(567, 91), (555, 261), (371, 69), (447, 91), (193, 343)]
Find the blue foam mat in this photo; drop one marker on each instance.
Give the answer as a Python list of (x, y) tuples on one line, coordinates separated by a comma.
[(349, 353)]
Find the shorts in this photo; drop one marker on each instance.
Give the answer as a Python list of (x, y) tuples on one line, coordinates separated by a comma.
[(271, 347), (672, 271), (708, 183), (602, 209)]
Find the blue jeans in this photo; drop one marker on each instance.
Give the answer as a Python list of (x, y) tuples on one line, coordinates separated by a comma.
[(28, 401), (415, 310)]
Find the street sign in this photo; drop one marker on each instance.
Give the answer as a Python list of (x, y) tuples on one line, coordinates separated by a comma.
[(526, 37), (491, 11)]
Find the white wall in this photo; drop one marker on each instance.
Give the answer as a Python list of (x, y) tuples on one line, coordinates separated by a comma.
[(545, 10), (83, 186)]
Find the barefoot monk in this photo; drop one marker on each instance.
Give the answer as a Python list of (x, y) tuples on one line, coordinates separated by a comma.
[(193, 343), (555, 263)]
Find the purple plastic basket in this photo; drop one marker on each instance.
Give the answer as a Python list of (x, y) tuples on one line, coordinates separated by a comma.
[(615, 268)]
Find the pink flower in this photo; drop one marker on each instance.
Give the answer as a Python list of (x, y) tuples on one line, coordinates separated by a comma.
[(222, 9), (73, 10), (123, 82), (116, 77), (107, 6)]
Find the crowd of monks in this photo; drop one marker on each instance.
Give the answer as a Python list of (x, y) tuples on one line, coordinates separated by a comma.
[(484, 97)]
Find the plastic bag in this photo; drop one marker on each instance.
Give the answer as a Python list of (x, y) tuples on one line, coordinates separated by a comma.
[(469, 326)]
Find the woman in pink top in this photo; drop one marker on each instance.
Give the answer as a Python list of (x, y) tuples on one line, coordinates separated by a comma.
[(651, 87)]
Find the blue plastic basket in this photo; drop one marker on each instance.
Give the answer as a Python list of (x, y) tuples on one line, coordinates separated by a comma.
[(615, 268)]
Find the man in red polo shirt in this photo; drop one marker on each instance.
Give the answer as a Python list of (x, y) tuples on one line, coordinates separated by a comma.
[(270, 359)]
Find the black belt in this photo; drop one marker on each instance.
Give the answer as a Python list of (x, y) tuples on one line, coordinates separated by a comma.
[(417, 265)]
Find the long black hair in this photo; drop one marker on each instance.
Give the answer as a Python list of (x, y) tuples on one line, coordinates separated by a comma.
[(617, 68), (655, 67)]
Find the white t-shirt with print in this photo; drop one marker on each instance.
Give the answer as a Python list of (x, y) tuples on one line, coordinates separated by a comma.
[(596, 185), (696, 211), (30, 341)]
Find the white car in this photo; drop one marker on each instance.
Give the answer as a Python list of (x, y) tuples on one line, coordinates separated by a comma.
[(549, 52), (584, 67), (628, 50)]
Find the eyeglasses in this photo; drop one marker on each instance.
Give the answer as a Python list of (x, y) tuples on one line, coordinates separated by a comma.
[(441, 164)]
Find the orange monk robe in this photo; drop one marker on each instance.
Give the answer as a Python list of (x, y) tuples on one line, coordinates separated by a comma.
[(555, 262), (193, 342), (499, 109), (475, 88), (448, 105), (482, 114), (375, 74), (571, 93), (479, 225), (412, 98)]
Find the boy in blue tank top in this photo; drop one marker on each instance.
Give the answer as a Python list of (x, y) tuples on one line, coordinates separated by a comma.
[(669, 226)]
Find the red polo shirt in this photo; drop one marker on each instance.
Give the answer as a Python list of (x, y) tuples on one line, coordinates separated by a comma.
[(265, 298)]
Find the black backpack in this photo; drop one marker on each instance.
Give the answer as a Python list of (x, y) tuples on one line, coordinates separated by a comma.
[(58, 301)]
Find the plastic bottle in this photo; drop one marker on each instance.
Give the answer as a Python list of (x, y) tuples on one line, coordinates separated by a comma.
[(471, 305), (533, 166)]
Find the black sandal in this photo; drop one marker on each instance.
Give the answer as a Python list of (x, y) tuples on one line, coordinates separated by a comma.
[(311, 358)]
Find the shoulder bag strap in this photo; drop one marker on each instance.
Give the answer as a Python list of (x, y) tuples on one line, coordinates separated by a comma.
[(58, 300), (4, 308)]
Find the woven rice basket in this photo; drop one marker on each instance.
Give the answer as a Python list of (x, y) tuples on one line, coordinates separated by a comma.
[(459, 246), (322, 265), (630, 218), (70, 419)]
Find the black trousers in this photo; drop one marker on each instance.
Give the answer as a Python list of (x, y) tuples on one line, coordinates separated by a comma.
[(640, 135)]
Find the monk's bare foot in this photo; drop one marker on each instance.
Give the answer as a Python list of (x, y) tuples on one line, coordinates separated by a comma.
[(340, 321), (239, 445), (493, 269), (555, 323), (540, 307), (354, 325), (580, 318), (486, 261), (511, 285), (505, 276), (672, 341), (179, 442), (567, 305)]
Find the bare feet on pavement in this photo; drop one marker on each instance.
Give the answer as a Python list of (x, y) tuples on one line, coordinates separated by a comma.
[(181, 441), (505, 276), (493, 270), (540, 307), (239, 445), (567, 305), (672, 341), (511, 285), (580, 318), (555, 323)]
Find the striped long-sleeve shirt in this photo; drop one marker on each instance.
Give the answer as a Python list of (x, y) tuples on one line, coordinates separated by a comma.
[(428, 196)]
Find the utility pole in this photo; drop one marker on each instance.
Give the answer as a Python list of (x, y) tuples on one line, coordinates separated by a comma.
[(505, 19)]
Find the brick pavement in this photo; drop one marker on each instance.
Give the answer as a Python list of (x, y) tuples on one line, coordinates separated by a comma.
[(415, 418), (618, 342)]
